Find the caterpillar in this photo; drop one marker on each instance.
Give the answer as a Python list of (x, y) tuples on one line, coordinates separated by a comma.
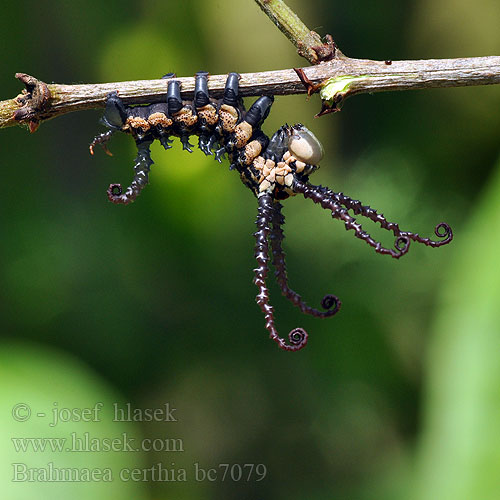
[(274, 169)]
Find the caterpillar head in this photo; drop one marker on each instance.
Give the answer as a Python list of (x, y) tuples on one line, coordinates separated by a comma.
[(304, 145)]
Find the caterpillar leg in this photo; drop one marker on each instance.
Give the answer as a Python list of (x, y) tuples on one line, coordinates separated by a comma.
[(229, 110), (207, 113), (329, 302), (142, 166), (327, 201), (186, 145), (298, 336), (232, 91), (259, 111), (165, 141), (184, 116), (164, 136)]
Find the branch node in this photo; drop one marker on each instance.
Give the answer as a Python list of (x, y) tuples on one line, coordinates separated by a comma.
[(33, 100), (326, 51)]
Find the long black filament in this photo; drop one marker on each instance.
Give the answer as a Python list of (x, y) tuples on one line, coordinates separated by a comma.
[(298, 336)]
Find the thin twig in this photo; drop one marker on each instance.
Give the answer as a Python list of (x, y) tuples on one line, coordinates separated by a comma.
[(307, 42), (356, 75)]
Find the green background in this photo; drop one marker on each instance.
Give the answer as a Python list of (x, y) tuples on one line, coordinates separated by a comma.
[(397, 397)]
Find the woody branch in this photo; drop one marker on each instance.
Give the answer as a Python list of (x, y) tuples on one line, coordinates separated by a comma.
[(40, 101)]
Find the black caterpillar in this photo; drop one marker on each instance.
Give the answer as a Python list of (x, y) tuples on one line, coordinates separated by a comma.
[(273, 169)]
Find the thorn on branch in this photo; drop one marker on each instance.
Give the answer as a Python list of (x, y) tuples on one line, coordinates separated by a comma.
[(33, 100), (333, 91), (326, 106), (310, 86)]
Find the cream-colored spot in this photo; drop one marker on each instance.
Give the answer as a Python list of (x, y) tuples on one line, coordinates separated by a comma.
[(264, 186), (209, 114), (272, 174), (229, 117), (281, 171), (252, 150), (299, 166), (243, 132), (186, 116), (259, 163), (135, 122), (161, 119)]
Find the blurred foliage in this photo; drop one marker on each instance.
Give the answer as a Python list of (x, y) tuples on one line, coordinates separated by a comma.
[(46, 378), (396, 396), (460, 449)]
